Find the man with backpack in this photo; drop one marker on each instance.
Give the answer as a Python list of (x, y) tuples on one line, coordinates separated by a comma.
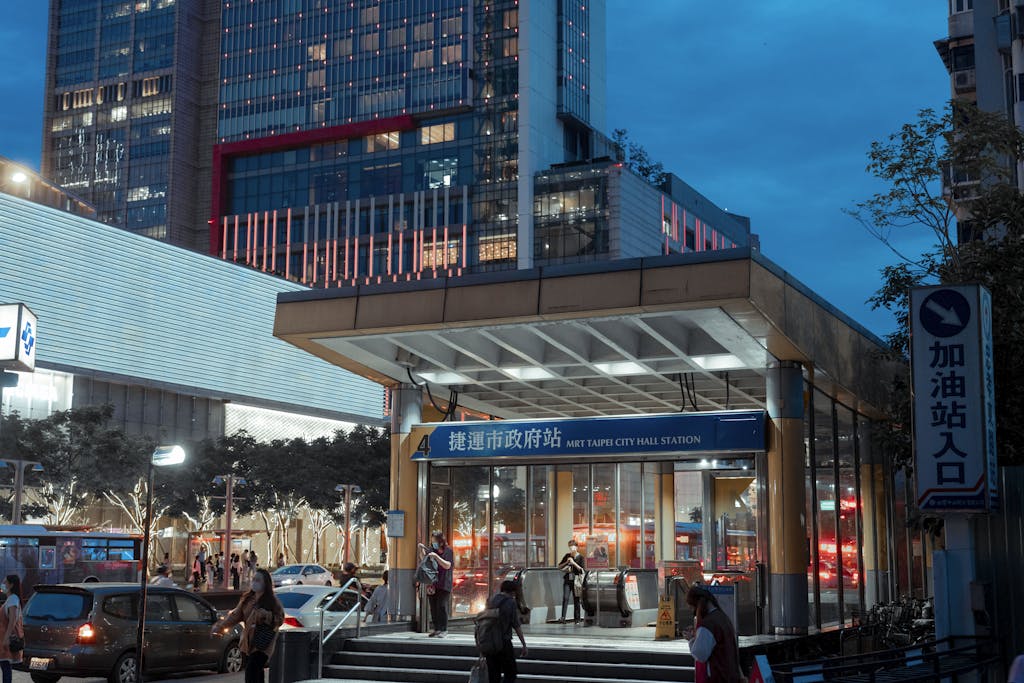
[(494, 627)]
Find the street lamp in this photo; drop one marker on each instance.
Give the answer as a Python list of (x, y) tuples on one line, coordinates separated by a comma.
[(163, 456), (229, 480), (19, 482), (348, 489)]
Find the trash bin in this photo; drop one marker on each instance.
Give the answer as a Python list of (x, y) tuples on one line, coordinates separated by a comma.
[(292, 656)]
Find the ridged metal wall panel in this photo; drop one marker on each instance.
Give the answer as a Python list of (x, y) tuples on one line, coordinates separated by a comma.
[(117, 304)]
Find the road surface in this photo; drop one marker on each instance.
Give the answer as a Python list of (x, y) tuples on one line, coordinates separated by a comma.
[(23, 677)]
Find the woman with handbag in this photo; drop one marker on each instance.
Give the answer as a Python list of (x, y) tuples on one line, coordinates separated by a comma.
[(439, 593), (263, 615), (13, 643), (572, 566)]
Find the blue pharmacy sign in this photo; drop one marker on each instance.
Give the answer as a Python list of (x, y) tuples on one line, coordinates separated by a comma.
[(954, 399), (739, 431)]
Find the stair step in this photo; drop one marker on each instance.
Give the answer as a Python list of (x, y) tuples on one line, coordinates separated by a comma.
[(396, 675), (532, 665), (572, 654)]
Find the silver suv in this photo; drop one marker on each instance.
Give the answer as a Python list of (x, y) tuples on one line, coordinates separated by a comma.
[(89, 629)]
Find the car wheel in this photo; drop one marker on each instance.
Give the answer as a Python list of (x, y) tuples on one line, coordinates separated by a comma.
[(298, 583), (328, 583), (124, 670), (231, 662), (44, 678)]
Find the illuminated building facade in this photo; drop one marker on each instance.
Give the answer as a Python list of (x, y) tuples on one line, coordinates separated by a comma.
[(394, 141), (130, 100)]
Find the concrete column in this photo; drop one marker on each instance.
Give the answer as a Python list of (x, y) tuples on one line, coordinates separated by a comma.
[(787, 561), (402, 559)]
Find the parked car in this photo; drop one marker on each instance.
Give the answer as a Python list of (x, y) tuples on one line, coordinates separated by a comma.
[(90, 629), (303, 604), (829, 576), (301, 574)]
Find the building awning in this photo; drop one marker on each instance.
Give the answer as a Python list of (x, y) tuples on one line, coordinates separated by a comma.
[(689, 331)]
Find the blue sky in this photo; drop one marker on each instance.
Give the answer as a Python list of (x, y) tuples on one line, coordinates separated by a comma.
[(768, 108)]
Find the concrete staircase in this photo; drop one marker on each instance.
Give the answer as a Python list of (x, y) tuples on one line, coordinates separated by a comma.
[(405, 660)]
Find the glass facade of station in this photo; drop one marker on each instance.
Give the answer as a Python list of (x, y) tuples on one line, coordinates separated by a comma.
[(699, 512)]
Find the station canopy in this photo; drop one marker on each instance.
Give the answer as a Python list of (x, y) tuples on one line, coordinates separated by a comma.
[(655, 335)]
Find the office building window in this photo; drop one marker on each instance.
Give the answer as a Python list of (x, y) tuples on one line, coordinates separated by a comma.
[(382, 142), (957, 6), (442, 132), (423, 59)]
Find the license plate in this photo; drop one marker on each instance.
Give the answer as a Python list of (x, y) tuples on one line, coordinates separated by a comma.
[(39, 664)]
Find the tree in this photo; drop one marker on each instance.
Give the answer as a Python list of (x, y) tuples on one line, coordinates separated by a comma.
[(975, 152), (81, 454), (637, 159)]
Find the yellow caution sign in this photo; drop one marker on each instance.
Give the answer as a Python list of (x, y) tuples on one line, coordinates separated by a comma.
[(666, 627)]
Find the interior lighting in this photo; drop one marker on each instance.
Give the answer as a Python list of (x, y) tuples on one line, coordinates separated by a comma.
[(621, 368), (719, 361), (19, 177), (528, 373)]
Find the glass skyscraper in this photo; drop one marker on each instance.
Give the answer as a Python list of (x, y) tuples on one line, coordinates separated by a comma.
[(128, 86), (341, 142)]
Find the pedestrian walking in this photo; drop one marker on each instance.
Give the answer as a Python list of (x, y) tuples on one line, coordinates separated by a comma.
[(377, 607), (13, 643), (439, 593), (280, 560), (246, 567), (501, 666), (572, 566), (202, 559), (236, 571), (254, 561), (713, 642), (263, 615)]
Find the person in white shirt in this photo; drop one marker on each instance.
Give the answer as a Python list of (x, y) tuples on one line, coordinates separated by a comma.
[(163, 577)]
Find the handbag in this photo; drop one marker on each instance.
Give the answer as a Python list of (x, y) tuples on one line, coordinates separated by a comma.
[(478, 674), (262, 636), (16, 644), (577, 585)]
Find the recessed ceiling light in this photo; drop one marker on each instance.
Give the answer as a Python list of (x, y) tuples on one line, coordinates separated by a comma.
[(530, 372), (621, 368), (444, 377), (719, 361)]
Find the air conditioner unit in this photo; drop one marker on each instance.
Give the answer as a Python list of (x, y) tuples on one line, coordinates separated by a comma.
[(964, 81)]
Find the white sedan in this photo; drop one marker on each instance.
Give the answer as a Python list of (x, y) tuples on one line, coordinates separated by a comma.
[(302, 574), (303, 605)]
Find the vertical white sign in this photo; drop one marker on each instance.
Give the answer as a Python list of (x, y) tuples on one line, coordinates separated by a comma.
[(954, 398), (17, 337)]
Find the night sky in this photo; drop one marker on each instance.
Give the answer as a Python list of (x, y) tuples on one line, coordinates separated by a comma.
[(767, 108)]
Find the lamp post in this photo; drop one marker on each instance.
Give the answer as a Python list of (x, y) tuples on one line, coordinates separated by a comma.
[(229, 481), (19, 483), (163, 456), (348, 489)]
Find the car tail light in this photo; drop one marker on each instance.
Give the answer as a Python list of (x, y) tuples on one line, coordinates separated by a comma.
[(293, 622), (86, 633), (824, 573)]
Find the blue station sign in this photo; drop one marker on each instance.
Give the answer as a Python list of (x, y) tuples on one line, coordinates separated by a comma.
[(737, 431)]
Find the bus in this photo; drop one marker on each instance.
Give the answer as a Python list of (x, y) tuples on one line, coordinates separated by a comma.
[(49, 555)]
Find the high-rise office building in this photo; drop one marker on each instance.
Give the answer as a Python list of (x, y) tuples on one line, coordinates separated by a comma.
[(394, 140), (130, 110), (333, 142)]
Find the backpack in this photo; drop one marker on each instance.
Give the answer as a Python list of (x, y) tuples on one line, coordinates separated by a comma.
[(489, 630), (426, 572)]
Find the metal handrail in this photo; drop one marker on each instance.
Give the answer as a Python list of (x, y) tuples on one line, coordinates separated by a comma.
[(357, 608)]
